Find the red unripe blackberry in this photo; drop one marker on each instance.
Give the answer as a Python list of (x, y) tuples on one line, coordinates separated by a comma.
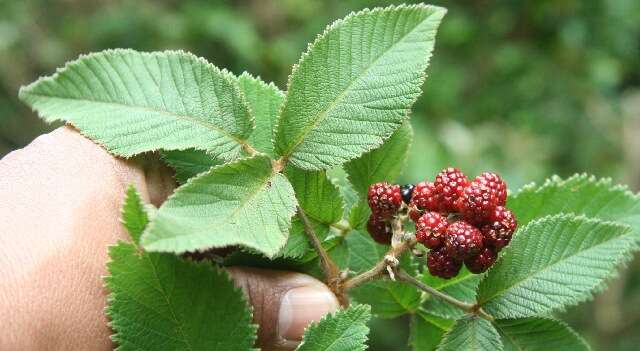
[(482, 261), (440, 264), (463, 240), (384, 199), (450, 184), (495, 183), (430, 229), (499, 231), (379, 230), (424, 197), (477, 203)]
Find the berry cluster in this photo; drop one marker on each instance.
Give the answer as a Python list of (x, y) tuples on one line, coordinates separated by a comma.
[(461, 221)]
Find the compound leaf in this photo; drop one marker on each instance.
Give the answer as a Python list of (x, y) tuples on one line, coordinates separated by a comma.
[(344, 330), (471, 334), (539, 334), (133, 102), (427, 331), (160, 302), (356, 84), (388, 299), (265, 101), (382, 164), (579, 194), (554, 262), (239, 203)]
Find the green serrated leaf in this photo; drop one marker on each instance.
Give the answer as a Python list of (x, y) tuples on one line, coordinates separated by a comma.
[(462, 287), (580, 194), (388, 299), (317, 195), (265, 101), (344, 330), (189, 163), (298, 244), (427, 331), (322, 203), (539, 334), (471, 334), (160, 302), (382, 164), (134, 216), (356, 84), (239, 203), (554, 262), (133, 102)]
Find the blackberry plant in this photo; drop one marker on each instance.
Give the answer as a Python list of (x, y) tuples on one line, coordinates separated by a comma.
[(260, 170)]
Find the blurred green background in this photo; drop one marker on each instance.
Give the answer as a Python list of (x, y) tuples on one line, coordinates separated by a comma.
[(526, 88)]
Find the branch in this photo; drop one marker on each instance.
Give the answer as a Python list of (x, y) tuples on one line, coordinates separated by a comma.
[(329, 268), (467, 307), (380, 268)]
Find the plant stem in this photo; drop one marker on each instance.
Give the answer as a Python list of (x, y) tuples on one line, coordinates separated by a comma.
[(342, 226), (379, 269), (329, 268), (467, 307), (249, 149)]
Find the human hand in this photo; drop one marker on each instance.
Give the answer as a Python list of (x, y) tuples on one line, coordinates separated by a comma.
[(60, 210)]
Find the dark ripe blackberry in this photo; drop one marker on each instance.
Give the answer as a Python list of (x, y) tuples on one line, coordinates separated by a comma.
[(379, 230), (482, 261), (463, 240), (441, 265), (449, 185), (424, 197), (406, 191), (499, 231), (495, 183), (384, 199), (477, 203), (431, 229)]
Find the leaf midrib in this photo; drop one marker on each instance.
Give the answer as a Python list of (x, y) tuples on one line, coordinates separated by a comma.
[(252, 194), (169, 114), (626, 230), (322, 115)]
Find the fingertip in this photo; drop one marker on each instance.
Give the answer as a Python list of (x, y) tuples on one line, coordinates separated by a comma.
[(284, 303)]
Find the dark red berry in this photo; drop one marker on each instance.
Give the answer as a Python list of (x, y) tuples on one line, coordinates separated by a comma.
[(440, 264), (463, 240), (424, 197), (495, 183), (406, 191), (477, 203), (430, 229), (499, 231), (482, 261), (450, 184), (379, 230), (384, 199)]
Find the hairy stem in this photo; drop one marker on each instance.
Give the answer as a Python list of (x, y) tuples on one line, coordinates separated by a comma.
[(329, 268), (467, 307), (389, 260)]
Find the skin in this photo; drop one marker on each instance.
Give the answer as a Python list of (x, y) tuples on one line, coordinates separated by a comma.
[(59, 211)]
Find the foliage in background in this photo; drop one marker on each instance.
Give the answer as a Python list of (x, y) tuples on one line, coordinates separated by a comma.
[(548, 78)]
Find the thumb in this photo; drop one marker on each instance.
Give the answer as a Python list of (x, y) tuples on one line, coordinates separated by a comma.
[(284, 303)]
